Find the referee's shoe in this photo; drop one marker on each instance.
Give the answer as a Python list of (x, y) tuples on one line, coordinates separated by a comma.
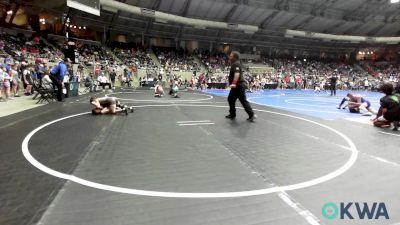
[(230, 117), (252, 118)]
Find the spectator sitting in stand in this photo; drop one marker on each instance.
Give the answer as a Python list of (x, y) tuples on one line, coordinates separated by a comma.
[(103, 81)]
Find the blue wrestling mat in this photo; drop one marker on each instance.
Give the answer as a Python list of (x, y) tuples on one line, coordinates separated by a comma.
[(307, 102)]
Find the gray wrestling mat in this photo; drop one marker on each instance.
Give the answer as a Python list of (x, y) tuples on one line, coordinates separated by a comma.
[(180, 162)]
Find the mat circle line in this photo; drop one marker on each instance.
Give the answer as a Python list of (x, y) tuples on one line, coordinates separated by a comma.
[(345, 167)]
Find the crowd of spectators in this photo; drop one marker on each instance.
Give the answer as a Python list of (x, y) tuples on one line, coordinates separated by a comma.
[(136, 56), (22, 65), (176, 60), (215, 63), (22, 48), (383, 70), (90, 54), (294, 73)]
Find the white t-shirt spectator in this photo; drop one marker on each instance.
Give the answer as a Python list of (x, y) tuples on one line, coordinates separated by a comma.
[(26, 76), (1, 75), (102, 78)]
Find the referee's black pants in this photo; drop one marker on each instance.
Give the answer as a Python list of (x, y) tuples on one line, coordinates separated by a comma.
[(333, 90), (58, 84), (239, 93)]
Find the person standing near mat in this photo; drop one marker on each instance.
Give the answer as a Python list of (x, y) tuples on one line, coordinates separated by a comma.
[(57, 77), (333, 81), (113, 75), (238, 88)]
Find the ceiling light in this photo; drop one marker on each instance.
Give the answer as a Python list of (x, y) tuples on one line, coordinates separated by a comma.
[(394, 1)]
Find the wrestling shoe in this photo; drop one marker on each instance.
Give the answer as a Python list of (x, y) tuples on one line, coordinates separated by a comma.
[(252, 118), (131, 108), (126, 111)]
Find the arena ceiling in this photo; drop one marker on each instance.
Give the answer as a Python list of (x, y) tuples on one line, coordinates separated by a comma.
[(350, 17)]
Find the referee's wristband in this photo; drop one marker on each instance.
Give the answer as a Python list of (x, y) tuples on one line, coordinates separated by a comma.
[(234, 82)]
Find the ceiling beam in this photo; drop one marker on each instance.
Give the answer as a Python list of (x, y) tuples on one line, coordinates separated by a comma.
[(278, 5), (296, 6), (352, 28), (156, 6), (331, 29), (132, 19), (268, 19), (305, 22), (227, 18), (320, 9), (369, 15), (184, 11), (374, 31), (359, 13), (115, 16), (229, 15)]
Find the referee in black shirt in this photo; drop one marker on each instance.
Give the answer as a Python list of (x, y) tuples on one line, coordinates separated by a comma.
[(333, 81), (238, 88)]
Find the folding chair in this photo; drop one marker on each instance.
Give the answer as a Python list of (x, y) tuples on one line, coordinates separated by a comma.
[(45, 93)]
